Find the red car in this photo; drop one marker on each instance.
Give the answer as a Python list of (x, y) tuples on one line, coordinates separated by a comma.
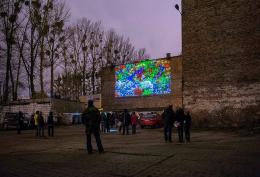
[(152, 120)]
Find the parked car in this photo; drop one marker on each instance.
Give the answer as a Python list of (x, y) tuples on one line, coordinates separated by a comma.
[(153, 120), (11, 120)]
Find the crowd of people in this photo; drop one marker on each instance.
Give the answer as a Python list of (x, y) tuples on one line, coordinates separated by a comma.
[(37, 122), (121, 121), (96, 122), (177, 119)]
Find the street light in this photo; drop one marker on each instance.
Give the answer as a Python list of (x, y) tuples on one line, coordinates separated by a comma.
[(182, 82), (178, 8)]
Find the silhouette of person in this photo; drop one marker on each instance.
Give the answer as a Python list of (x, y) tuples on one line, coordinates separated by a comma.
[(168, 116), (187, 126), (50, 123), (126, 122), (92, 118), (19, 122), (180, 120)]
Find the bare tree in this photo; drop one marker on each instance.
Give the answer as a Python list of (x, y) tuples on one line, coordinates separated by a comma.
[(141, 54), (10, 10), (55, 37)]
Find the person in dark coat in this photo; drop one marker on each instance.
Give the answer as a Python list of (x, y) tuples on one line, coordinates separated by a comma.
[(41, 125), (187, 126), (36, 123), (168, 117), (19, 122), (50, 123), (92, 118), (126, 122), (107, 122), (102, 123), (180, 119)]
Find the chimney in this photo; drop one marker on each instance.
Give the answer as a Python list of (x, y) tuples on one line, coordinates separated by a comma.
[(168, 55)]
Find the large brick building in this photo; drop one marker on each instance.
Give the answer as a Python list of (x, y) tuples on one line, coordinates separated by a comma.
[(220, 65), (221, 60)]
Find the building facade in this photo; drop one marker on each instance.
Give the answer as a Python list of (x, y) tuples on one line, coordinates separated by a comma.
[(142, 103), (221, 61)]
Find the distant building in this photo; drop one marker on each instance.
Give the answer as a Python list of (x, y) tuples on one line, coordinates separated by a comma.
[(153, 102), (217, 77)]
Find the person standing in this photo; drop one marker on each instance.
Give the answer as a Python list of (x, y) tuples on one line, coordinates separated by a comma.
[(19, 122), (107, 122), (50, 123), (134, 120), (168, 116), (36, 123), (120, 123), (92, 118), (41, 125), (180, 120), (102, 123), (126, 122), (187, 126)]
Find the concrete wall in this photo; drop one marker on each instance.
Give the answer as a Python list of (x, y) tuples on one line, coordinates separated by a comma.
[(221, 61), (45, 105), (29, 107), (110, 102), (66, 106)]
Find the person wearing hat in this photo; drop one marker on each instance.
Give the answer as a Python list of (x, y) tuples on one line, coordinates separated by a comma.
[(92, 118)]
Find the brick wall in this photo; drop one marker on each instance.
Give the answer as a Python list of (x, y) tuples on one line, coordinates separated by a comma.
[(221, 61), (110, 102)]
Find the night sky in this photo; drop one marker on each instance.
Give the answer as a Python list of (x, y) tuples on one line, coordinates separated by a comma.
[(151, 24)]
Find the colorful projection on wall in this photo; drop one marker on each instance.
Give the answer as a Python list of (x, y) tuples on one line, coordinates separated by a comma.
[(143, 78)]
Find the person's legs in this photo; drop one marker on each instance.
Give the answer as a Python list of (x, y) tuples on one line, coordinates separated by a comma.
[(89, 145), (49, 131), (133, 129), (166, 133), (36, 131), (187, 133), (42, 131), (124, 127), (170, 133), (52, 131), (39, 131), (120, 128), (127, 130), (108, 128), (18, 129), (181, 133), (98, 141)]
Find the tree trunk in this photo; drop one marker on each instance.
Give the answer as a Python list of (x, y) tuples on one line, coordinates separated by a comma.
[(52, 70), (8, 64), (93, 76), (32, 66), (52, 79), (41, 66), (84, 74)]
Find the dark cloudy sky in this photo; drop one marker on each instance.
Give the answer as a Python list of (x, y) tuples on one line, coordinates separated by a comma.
[(151, 24)]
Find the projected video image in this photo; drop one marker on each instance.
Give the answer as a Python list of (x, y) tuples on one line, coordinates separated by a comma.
[(143, 78)]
